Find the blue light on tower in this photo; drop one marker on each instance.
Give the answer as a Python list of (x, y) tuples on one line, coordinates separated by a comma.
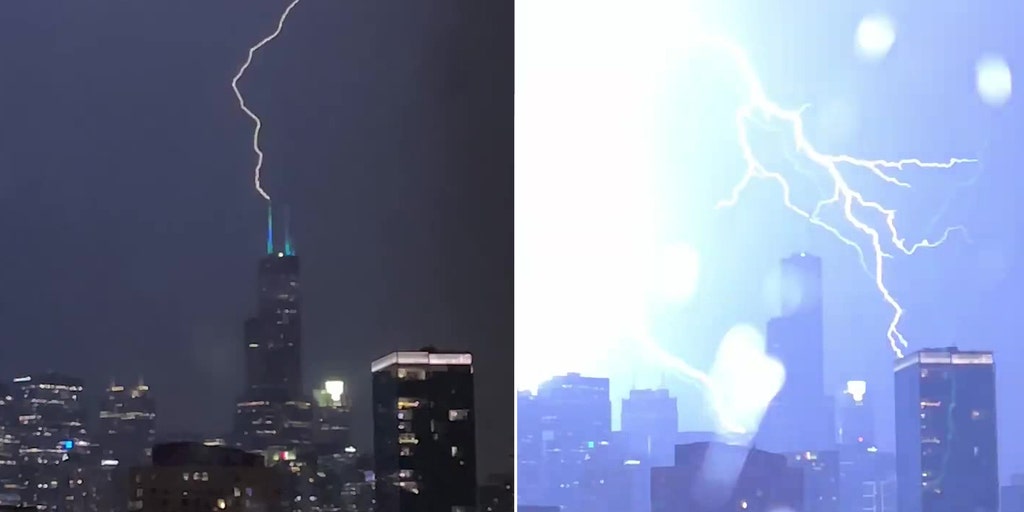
[(67, 445)]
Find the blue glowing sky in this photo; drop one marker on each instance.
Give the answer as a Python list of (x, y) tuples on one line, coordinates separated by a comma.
[(605, 143)]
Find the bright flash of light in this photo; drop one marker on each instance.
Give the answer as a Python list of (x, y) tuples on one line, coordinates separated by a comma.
[(875, 36), (241, 101), (856, 389), (759, 108), (587, 130), (993, 80)]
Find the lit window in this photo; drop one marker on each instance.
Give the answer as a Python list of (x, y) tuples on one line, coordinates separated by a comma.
[(405, 451), (184, 476), (455, 451), (411, 374), (458, 414), (407, 439), (408, 403)]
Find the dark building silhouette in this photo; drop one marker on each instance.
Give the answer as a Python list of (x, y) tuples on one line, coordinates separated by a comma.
[(496, 495), (569, 421), (333, 419), (273, 412), (11, 484), (719, 477), (55, 450), (802, 416), (863, 469), (529, 449), (821, 479), (424, 432), (190, 477), (946, 447), (125, 436), (127, 426), (650, 423)]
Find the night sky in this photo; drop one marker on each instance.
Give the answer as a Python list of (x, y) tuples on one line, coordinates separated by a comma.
[(133, 230)]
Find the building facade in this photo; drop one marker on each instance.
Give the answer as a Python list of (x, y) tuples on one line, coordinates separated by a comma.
[(424, 432), (802, 416), (55, 450), (188, 477), (946, 444), (273, 412)]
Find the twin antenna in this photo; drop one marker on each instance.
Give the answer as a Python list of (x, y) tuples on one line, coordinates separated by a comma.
[(288, 249)]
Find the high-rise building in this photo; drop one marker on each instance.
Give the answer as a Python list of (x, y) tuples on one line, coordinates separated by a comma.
[(273, 412), (650, 423), (856, 417), (424, 432), (863, 469), (55, 450), (715, 477), (10, 467), (125, 436), (187, 477), (946, 446), (529, 449), (127, 426), (802, 416), (333, 418), (821, 479), (565, 424)]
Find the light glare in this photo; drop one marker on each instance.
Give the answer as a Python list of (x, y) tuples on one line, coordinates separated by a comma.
[(993, 80), (876, 34)]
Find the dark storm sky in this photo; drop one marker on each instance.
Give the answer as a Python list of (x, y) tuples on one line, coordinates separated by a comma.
[(132, 228)]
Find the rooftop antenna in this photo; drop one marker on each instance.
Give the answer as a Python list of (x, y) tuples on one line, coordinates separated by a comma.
[(288, 250), (270, 229)]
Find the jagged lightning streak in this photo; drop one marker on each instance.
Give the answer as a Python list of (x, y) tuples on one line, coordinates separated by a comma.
[(760, 108), (241, 101)]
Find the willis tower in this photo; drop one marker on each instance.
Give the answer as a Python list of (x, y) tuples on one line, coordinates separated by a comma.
[(273, 413)]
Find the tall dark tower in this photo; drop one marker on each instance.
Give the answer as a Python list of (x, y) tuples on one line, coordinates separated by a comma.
[(273, 336), (946, 443), (801, 417), (273, 407)]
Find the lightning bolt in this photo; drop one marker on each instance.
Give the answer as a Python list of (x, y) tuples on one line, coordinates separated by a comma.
[(759, 108), (241, 101)]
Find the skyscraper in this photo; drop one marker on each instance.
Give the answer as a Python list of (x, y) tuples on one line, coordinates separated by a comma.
[(801, 417), (333, 418), (946, 448), (273, 412), (55, 449), (575, 419), (650, 423), (424, 432), (127, 427), (125, 437), (863, 470), (10, 464)]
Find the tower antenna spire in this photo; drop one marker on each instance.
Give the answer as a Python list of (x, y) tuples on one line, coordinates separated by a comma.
[(288, 249), (270, 228)]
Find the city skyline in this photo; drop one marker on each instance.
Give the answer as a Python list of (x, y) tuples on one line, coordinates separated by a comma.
[(142, 258)]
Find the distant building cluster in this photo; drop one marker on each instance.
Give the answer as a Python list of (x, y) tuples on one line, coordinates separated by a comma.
[(813, 453), (288, 450)]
